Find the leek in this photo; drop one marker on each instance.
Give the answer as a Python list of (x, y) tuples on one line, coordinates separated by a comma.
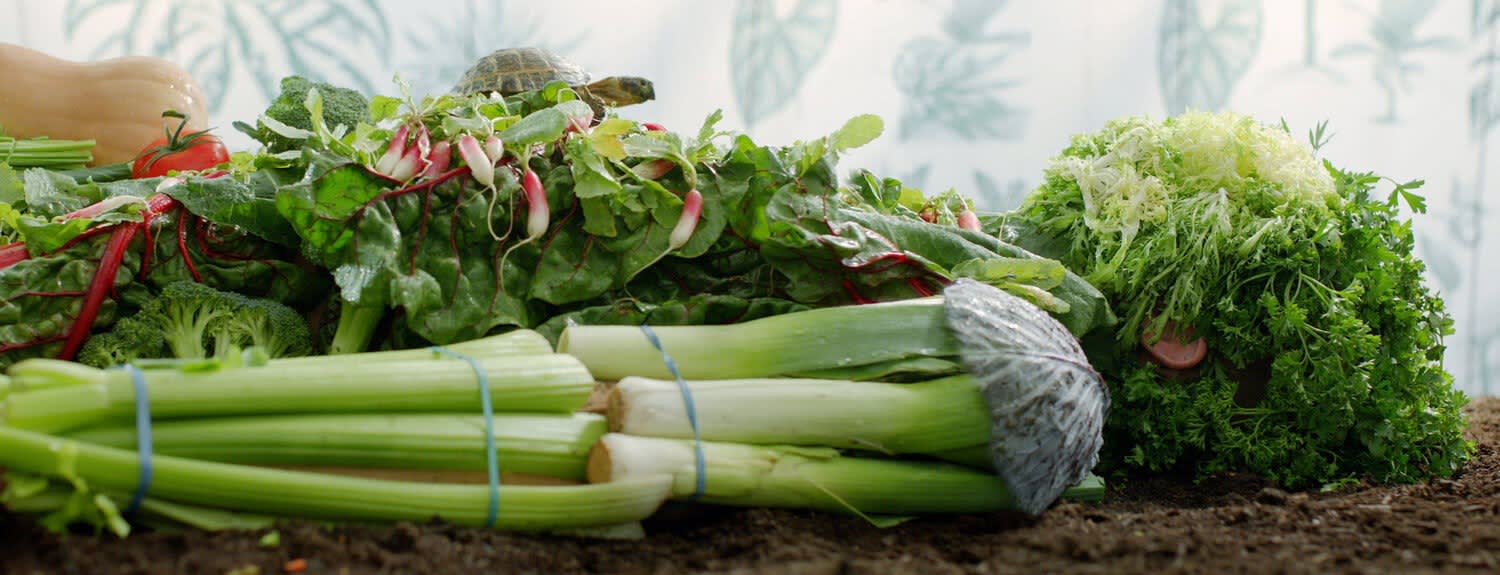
[(927, 417), (553, 383), (809, 478), (321, 496), (1029, 384), (804, 342), (534, 444)]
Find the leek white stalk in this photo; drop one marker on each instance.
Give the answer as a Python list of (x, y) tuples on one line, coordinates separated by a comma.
[(927, 417), (808, 478)]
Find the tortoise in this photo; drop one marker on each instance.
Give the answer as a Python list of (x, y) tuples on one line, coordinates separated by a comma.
[(514, 70)]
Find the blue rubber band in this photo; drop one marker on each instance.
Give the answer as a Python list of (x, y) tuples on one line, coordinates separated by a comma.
[(692, 412), (491, 461), (142, 438)]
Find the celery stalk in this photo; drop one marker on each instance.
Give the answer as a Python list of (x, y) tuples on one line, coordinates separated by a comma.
[(536, 444), (554, 383), (322, 496), (931, 416), (807, 478), (784, 345), (519, 342)]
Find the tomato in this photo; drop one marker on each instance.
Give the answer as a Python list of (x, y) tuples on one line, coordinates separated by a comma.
[(179, 151)]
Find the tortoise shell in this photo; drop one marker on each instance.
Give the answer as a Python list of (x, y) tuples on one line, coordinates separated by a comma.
[(514, 70)]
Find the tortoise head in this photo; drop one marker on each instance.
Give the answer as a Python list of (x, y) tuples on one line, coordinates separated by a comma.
[(623, 90)]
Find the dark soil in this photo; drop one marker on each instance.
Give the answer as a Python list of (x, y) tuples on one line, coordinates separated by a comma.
[(1228, 524)]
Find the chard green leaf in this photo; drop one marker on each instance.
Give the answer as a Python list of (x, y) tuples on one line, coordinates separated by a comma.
[(230, 202), (11, 190), (50, 194), (1041, 273), (543, 126)]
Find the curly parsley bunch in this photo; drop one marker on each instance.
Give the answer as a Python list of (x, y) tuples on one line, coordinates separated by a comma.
[(1325, 347)]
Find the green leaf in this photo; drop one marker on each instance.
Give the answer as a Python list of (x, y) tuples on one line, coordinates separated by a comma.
[(11, 190), (230, 202), (606, 137), (50, 194), (543, 125), (1044, 274), (384, 108), (858, 131)]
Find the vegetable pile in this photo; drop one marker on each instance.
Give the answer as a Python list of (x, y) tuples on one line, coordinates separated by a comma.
[(293, 292), (304, 317), (1273, 316)]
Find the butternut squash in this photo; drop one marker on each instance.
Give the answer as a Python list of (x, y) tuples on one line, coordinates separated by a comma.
[(117, 103)]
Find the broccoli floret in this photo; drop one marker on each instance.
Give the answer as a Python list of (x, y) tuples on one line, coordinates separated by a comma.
[(185, 310), (341, 106), (188, 320), (131, 338), (277, 329)]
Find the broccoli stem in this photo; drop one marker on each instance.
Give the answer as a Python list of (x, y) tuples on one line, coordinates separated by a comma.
[(357, 323)]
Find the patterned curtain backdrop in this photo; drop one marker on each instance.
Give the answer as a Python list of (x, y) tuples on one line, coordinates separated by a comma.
[(977, 94)]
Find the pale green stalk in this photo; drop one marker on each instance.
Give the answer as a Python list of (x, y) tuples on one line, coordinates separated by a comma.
[(554, 445), (521, 342), (809, 341), (932, 416), (323, 496), (808, 478), (554, 383)]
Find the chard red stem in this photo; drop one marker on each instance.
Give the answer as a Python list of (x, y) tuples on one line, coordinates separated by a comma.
[(187, 260), (12, 254), (103, 282), (104, 277)]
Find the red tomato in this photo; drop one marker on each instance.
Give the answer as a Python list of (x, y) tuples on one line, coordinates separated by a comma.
[(179, 151)]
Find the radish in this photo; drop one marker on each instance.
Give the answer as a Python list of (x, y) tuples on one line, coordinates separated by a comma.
[(538, 215), (393, 152), (687, 223), (692, 209), (653, 169), (439, 160), (423, 149), (407, 167), (968, 220), (580, 123), (479, 164), (494, 149)]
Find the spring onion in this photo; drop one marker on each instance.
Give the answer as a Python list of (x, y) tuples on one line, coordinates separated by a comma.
[(45, 152)]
